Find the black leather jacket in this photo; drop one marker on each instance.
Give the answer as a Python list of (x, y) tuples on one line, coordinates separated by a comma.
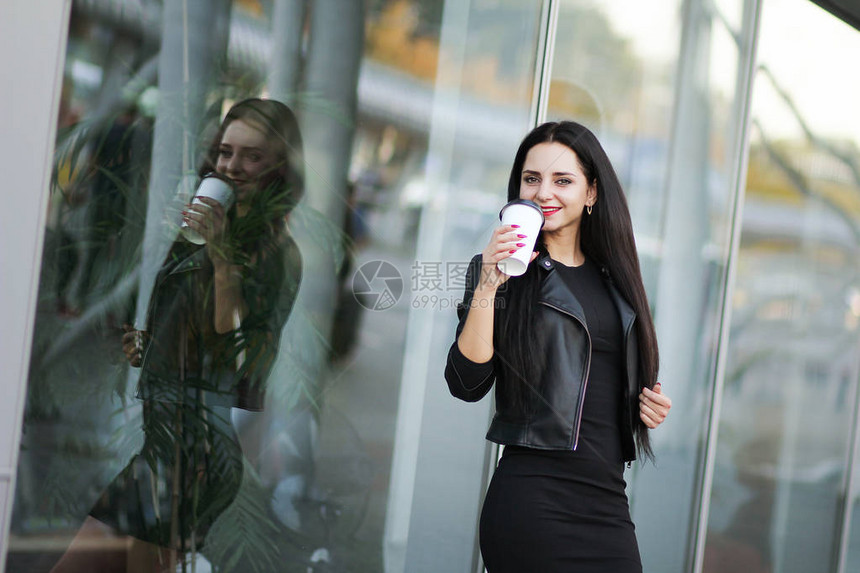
[(185, 356), (555, 420)]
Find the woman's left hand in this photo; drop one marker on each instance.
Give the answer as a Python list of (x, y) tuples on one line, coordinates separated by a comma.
[(210, 220), (654, 406)]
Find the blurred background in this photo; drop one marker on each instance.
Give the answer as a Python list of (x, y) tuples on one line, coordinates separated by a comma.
[(734, 128)]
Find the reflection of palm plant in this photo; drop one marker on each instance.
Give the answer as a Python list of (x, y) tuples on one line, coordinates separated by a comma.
[(244, 534), (54, 385), (109, 158), (50, 390)]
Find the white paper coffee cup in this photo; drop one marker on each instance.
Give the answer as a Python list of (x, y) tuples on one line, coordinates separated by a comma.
[(213, 186), (530, 218)]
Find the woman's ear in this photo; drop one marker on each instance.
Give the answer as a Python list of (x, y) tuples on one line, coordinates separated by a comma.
[(591, 196)]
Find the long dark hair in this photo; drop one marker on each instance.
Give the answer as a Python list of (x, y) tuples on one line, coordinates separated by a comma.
[(282, 190), (606, 237)]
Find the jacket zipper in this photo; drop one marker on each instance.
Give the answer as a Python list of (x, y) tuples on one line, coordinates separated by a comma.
[(581, 406), (627, 399)]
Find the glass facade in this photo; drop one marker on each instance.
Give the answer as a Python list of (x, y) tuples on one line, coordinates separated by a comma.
[(734, 131), (671, 120), (788, 412)]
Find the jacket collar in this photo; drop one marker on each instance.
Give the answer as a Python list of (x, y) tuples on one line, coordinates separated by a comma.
[(555, 292), (188, 259), (625, 311)]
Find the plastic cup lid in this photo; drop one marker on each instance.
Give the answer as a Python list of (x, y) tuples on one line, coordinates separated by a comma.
[(223, 178), (531, 204)]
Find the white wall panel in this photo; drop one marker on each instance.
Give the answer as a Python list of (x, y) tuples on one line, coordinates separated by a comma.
[(33, 40)]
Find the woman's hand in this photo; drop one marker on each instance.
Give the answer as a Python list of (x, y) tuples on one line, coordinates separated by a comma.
[(654, 406), (210, 220), (506, 240), (132, 345)]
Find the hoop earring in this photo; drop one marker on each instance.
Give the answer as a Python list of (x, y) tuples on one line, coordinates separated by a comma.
[(588, 209)]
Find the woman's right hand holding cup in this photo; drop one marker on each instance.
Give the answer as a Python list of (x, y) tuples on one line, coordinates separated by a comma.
[(504, 242)]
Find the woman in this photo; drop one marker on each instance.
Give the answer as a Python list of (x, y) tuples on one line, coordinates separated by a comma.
[(571, 349), (212, 332)]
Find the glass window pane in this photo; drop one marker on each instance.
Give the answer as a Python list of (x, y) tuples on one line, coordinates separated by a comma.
[(666, 105), (789, 402), (399, 103), (481, 110)]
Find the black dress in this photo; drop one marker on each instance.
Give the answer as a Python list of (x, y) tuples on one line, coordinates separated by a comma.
[(554, 511)]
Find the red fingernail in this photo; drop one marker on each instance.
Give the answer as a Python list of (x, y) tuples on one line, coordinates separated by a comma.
[(515, 226), (521, 244), (521, 236), (512, 251)]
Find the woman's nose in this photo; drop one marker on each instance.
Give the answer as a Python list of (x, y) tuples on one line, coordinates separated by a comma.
[(544, 193), (234, 164)]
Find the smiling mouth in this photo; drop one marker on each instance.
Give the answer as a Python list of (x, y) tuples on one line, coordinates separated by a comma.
[(549, 210)]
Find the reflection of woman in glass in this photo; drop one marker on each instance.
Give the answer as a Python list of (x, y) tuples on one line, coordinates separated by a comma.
[(571, 349), (211, 335)]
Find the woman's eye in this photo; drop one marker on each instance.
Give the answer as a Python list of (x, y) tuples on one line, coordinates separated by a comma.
[(255, 157), (225, 153), (563, 181), (530, 179)]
